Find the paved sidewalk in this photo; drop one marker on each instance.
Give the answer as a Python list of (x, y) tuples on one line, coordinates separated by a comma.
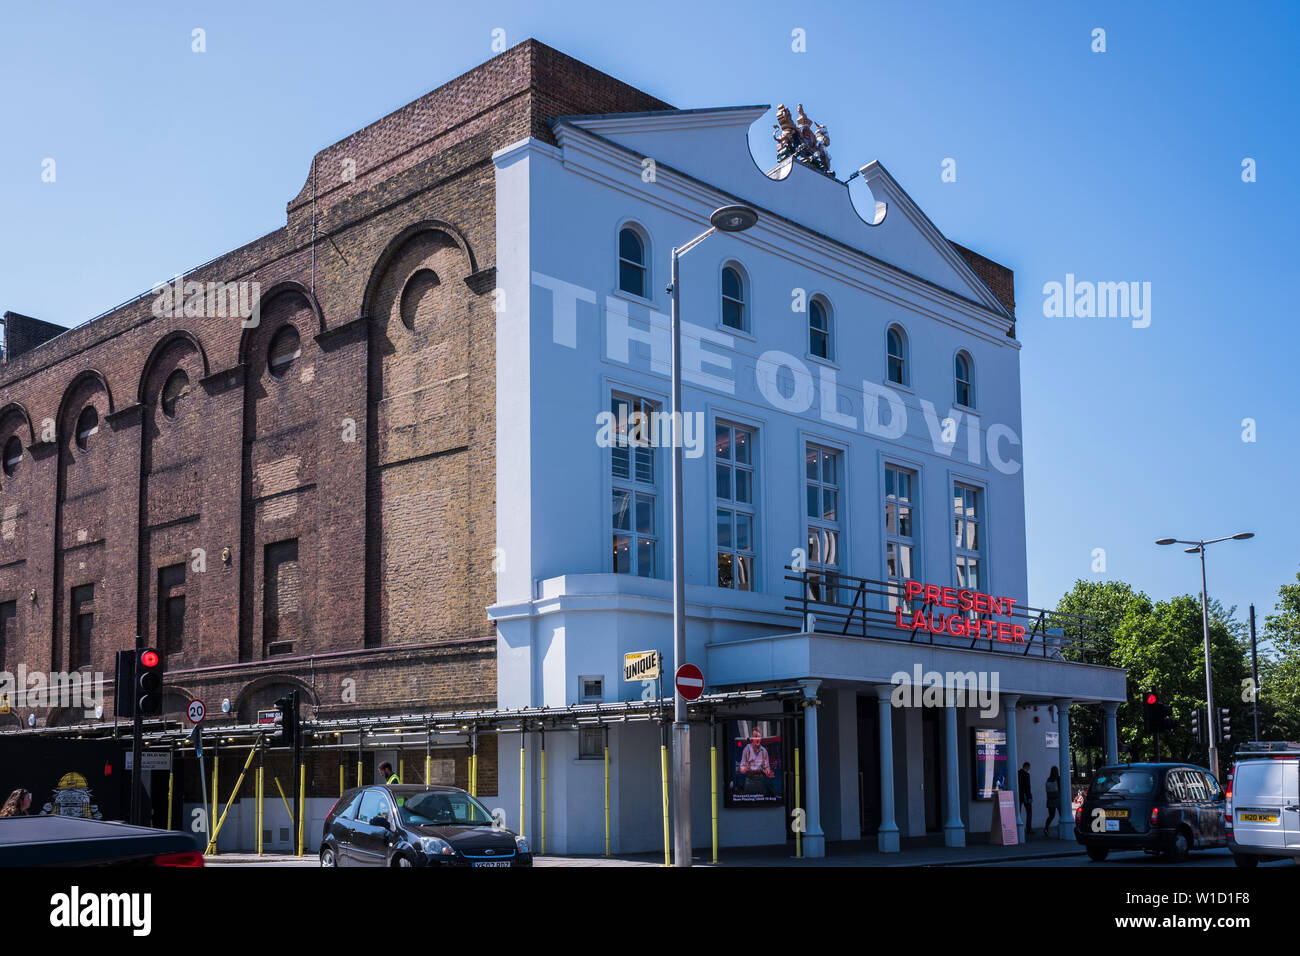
[(837, 854)]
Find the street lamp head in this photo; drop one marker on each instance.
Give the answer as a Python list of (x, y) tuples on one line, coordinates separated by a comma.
[(733, 218), (1243, 535), (1166, 541), (1195, 550)]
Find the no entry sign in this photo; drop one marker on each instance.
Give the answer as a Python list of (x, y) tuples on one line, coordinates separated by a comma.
[(689, 681)]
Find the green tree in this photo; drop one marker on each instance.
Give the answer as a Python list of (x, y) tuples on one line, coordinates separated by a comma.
[(1279, 670), (1161, 646), (1105, 605)]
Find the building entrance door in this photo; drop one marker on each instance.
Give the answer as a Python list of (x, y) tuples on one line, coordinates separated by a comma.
[(868, 766), (932, 761)]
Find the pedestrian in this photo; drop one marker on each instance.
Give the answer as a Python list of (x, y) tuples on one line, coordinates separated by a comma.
[(1026, 796), (19, 802), (386, 772), (1053, 787)]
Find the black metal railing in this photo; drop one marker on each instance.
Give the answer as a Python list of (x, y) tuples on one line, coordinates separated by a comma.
[(850, 606)]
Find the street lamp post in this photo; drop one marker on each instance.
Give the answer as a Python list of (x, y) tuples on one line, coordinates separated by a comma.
[(1212, 722), (725, 219)]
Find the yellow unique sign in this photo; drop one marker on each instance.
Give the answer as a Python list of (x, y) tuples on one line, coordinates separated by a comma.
[(641, 665)]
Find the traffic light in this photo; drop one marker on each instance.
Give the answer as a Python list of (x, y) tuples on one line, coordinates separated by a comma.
[(1196, 725), (124, 684), (1151, 712), (287, 722), (148, 681), (1225, 722)]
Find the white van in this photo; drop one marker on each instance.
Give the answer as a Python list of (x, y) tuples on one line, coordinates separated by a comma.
[(1262, 810)]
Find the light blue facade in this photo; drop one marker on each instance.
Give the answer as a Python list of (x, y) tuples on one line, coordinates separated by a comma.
[(568, 340)]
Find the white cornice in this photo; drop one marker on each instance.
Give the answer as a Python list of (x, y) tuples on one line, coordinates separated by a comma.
[(618, 168)]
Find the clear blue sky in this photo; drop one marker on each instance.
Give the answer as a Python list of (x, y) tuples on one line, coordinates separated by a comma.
[(1123, 165)]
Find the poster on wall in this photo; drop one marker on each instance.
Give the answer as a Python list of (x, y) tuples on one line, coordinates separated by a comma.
[(990, 770), (753, 764)]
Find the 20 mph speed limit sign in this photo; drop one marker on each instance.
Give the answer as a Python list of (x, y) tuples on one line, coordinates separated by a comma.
[(196, 711)]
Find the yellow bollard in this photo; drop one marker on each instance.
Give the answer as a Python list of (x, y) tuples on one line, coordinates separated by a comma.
[(428, 768), (473, 775), (521, 784), (261, 779), (401, 769), (798, 833), (360, 761), (302, 801), (607, 791), (663, 772), (342, 782), (713, 790), (171, 782), (212, 844), (283, 799), (212, 820), (543, 795)]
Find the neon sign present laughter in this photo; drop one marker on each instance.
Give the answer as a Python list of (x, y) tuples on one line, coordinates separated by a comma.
[(968, 618)]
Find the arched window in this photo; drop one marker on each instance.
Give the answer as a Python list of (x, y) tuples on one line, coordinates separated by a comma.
[(284, 351), (13, 455), (819, 328), (631, 262), (964, 380), (733, 298), (896, 347), (174, 389), (87, 425)]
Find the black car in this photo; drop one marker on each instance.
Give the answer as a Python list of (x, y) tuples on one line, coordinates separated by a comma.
[(56, 840), (1169, 808), (408, 825)]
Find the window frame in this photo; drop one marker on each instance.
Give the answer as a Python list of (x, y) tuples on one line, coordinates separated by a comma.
[(969, 382), (81, 435), (828, 333), (636, 401), (175, 400), (734, 507), (583, 696), (980, 521), (10, 466), (742, 274), (912, 541), (826, 572), (904, 359), (643, 236), (281, 372)]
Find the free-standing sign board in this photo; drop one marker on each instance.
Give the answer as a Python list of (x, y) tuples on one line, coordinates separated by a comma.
[(1002, 831)]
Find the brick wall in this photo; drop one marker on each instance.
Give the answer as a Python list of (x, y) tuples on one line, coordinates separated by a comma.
[(372, 447)]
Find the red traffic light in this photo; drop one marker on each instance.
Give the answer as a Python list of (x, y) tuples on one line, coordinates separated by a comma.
[(149, 658), (1151, 697)]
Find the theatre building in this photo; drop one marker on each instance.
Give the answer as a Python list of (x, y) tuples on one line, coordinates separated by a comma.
[(853, 492), (406, 455)]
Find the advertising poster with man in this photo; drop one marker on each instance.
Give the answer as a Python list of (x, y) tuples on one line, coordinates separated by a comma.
[(754, 764)]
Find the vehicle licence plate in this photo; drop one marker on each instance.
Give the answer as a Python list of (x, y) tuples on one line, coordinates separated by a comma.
[(1117, 814), (1258, 817), (1112, 825), (491, 862)]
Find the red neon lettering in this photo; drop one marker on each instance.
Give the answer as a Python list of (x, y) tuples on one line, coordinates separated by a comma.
[(1003, 630), (1018, 633), (965, 599), (914, 589), (932, 594), (949, 597), (981, 603)]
